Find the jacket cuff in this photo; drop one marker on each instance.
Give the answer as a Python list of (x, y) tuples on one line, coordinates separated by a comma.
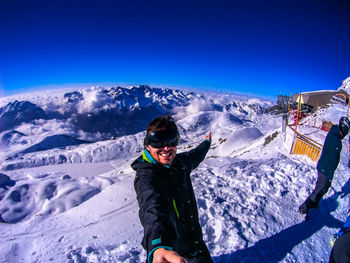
[(150, 254)]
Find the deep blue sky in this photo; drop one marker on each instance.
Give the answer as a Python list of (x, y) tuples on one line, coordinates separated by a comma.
[(250, 46)]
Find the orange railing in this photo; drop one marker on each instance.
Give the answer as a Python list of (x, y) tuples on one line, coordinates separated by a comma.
[(306, 146)]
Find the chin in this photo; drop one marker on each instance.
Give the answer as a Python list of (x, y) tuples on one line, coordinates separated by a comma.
[(167, 162)]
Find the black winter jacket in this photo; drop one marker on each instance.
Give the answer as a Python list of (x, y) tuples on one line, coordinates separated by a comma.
[(168, 208), (330, 155)]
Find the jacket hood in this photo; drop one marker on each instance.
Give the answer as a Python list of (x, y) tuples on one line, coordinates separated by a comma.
[(138, 163), (141, 163)]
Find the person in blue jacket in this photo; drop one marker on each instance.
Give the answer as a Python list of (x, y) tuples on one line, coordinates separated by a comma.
[(327, 164), (341, 250), (168, 208)]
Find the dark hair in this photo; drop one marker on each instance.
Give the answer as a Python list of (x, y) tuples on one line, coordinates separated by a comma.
[(161, 123)]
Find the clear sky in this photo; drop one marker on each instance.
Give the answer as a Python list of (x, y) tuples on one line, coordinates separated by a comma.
[(262, 47)]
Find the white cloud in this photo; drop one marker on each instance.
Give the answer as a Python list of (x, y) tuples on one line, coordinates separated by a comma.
[(262, 103), (43, 128), (94, 100), (196, 105)]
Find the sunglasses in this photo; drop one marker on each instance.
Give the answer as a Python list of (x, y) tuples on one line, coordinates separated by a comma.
[(160, 139)]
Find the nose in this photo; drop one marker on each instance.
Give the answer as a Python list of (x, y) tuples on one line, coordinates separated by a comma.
[(166, 148)]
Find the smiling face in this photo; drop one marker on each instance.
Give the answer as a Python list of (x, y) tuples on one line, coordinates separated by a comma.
[(164, 155)]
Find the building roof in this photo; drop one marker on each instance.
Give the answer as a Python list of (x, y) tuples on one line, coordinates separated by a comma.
[(320, 97)]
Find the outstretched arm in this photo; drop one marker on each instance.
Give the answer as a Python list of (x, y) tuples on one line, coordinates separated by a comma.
[(197, 155), (154, 215)]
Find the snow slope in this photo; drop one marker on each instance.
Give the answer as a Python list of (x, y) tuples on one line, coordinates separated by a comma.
[(77, 204)]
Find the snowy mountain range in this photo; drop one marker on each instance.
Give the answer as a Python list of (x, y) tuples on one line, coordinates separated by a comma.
[(66, 186), (96, 114), (111, 111)]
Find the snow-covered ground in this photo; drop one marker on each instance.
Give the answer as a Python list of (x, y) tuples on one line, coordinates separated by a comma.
[(77, 203)]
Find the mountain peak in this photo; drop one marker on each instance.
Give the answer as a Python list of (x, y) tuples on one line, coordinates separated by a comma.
[(17, 112)]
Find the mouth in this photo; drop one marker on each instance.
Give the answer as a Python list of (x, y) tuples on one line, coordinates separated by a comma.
[(168, 154)]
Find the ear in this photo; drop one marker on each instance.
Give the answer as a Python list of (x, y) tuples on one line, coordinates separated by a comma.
[(147, 147)]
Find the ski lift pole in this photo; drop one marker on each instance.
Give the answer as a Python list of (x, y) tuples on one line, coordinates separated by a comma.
[(289, 102), (284, 126), (316, 114), (298, 111)]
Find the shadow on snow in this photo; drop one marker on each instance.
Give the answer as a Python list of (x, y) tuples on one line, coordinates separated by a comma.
[(276, 247)]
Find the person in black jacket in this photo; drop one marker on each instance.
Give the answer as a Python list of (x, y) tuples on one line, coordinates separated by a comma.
[(168, 209), (327, 164)]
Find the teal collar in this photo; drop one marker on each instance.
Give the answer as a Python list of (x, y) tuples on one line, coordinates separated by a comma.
[(148, 157)]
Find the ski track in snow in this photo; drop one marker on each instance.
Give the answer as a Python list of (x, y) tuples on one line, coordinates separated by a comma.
[(247, 197)]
